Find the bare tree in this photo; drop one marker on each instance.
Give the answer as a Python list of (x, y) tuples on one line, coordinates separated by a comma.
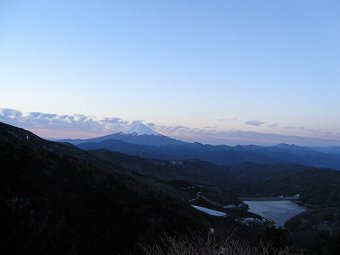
[(198, 244)]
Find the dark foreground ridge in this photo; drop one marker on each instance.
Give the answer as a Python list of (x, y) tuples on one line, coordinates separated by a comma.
[(56, 199)]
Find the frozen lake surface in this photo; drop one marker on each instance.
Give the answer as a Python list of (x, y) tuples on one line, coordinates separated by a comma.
[(278, 211)]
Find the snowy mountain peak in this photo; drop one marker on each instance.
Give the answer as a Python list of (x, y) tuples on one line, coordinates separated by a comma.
[(138, 129)]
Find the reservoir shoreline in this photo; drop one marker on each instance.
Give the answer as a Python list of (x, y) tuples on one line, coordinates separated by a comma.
[(279, 210)]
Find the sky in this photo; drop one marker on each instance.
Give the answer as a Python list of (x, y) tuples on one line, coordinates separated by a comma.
[(211, 71)]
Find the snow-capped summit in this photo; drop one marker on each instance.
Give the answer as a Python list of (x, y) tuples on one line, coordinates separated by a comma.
[(137, 133), (138, 129)]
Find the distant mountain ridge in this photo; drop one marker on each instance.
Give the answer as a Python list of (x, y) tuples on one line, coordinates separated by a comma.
[(330, 149), (140, 140), (222, 154)]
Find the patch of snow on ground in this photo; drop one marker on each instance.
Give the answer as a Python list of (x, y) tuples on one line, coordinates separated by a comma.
[(209, 211), (230, 206), (249, 221)]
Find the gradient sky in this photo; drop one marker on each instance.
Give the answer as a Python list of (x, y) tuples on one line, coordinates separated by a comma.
[(258, 66)]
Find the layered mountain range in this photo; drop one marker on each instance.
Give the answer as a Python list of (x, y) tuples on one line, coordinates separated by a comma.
[(58, 199), (140, 140)]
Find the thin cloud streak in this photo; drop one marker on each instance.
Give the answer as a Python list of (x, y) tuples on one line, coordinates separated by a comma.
[(256, 123)]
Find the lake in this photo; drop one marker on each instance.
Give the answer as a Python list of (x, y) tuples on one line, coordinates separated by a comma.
[(278, 211)]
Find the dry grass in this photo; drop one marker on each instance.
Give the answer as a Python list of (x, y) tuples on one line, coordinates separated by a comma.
[(198, 244)]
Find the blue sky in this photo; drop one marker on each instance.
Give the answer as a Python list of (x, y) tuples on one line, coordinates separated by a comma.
[(209, 66)]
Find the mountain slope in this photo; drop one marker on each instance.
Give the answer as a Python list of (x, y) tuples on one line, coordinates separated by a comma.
[(140, 129), (316, 186), (137, 134), (57, 199), (53, 202)]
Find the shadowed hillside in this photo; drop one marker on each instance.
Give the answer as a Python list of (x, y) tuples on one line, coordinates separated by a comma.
[(53, 203), (58, 199)]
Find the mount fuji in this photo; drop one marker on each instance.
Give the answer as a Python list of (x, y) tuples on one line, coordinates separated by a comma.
[(139, 129), (137, 133)]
